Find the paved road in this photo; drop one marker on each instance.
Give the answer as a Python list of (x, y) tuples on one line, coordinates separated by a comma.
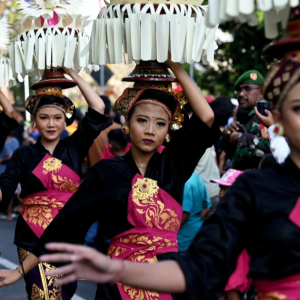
[(9, 258)]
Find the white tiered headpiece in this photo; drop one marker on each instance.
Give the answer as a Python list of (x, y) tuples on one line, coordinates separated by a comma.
[(6, 75), (245, 11), (148, 29), (49, 33)]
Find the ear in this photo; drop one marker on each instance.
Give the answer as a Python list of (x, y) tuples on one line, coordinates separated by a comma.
[(276, 115), (261, 97)]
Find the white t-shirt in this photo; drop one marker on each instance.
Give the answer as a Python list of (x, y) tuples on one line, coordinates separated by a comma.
[(208, 170)]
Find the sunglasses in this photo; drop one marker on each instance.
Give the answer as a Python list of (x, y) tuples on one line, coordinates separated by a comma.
[(247, 89)]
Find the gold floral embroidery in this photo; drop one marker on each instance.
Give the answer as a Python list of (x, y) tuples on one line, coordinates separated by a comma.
[(271, 296), (64, 184), (55, 293), (115, 251), (51, 164), (144, 194), (38, 210), (22, 254), (138, 294), (37, 293), (49, 291)]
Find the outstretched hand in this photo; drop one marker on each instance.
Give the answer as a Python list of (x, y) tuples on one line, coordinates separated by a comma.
[(84, 263), (9, 277)]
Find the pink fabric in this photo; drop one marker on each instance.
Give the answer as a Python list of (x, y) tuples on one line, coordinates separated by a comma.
[(52, 22), (156, 218), (295, 214), (39, 209), (282, 289), (228, 178), (239, 280), (106, 154)]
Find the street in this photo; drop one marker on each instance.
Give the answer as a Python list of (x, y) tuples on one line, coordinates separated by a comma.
[(9, 260)]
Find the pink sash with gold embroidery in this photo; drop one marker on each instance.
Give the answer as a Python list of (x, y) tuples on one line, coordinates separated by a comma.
[(156, 217), (39, 209)]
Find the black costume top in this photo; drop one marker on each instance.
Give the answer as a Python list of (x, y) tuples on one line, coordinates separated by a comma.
[(253, 215), (7, 124), (103, 195), (71, 151)]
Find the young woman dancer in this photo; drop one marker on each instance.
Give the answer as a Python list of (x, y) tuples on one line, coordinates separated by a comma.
[(49, 173), (137, 198), (261, 213)]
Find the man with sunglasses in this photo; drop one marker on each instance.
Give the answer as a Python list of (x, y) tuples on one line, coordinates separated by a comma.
[(246, 133)]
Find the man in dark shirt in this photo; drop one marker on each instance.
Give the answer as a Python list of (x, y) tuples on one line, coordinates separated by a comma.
[(247, 134)]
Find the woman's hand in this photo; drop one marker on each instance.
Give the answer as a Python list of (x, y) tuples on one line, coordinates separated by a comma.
[(9, 277), (68, 71), (266, 120), (85, 263)]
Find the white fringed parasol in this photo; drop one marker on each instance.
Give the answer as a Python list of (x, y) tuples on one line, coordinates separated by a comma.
[(6, 75), (148, 29), (245, 11), (50, 33)]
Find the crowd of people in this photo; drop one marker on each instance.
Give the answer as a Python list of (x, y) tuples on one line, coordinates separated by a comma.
[(196, 201)]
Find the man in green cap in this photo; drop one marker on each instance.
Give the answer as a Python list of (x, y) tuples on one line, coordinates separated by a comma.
[(246, 133)]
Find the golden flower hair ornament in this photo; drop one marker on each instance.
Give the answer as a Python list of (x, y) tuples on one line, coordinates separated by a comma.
[(149, 29), (51, 33)]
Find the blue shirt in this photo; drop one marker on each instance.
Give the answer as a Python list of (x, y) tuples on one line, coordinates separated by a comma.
[(9, 147), (195, 199)]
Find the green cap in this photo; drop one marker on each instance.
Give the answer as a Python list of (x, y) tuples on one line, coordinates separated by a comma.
[(250, 77)]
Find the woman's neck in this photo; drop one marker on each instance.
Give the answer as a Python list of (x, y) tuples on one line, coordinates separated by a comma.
[(295, 156), (49, 145), (141, 158)]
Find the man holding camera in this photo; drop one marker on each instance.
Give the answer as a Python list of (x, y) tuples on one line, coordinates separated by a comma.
[(249, 136)]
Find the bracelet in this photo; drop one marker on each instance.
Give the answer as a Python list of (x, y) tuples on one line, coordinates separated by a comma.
[(20, 271), (23, 269), (122, 273)]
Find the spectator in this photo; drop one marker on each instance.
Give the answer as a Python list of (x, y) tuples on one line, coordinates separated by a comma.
[(117, 144), (248, 135), (196, 205), (97, 148)]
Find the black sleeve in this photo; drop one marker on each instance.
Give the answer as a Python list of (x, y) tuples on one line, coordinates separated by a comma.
[(213, 256), (88, 130), (6, 125), (81, 211), (189, 143), (10, 179)]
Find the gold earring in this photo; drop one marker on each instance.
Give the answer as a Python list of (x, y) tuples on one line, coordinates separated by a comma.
[(168, 138), (125, 129), (33, 124), (279, 129)]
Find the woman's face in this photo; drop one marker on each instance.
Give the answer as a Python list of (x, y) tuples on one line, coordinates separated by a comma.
[(149, 125), (50, 122), (289, 117)]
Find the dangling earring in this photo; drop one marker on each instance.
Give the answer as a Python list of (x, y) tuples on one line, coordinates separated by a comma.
[(278, 129), (168, 138), (125, 129), (65, 125), (33, 125)]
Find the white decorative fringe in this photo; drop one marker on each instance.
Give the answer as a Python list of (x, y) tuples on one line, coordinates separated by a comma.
[(148, 32), (245, 11), (36, 50), (6, 75)]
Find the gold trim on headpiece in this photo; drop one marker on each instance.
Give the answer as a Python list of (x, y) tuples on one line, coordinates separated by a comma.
[(50, 91)]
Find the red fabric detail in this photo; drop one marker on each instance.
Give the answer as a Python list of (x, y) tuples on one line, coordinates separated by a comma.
[(60, 188)]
